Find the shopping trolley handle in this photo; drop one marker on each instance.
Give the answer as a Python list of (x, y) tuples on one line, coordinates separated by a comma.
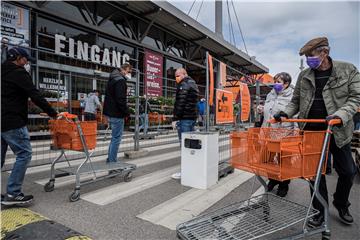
[(332, 122), (67, 115)]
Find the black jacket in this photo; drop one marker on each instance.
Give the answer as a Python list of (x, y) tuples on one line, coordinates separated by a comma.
[(115, 103), (187, 96), (16, 88)]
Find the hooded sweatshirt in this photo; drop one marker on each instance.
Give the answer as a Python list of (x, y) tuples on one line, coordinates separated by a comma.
[(115, 103), (16, 88)]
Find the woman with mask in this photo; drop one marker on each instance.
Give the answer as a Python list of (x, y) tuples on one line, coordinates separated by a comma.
[(276, 101)]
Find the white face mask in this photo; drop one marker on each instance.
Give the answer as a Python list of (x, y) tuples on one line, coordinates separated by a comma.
[(128, 76), (27, 67)]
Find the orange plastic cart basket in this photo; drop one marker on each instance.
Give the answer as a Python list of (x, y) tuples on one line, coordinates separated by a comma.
[(65, 134), (278, 153)]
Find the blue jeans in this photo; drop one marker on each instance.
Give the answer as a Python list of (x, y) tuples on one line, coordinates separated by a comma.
[(185, 126), (117, 128), (357, 126), (144, 119), (19, 142)]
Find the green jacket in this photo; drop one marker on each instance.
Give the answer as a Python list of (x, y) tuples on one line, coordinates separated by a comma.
[(341, 96)]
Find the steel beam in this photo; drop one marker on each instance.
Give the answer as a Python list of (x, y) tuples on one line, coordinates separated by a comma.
[(149, 26)]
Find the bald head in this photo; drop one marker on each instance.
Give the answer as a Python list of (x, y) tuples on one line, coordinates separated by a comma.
[(180, 74)]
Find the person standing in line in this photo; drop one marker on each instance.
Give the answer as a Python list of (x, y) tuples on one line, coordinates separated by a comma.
[(92, 103), (144, 110), (201, 106), (116, 108), (185, 109), (17, 87)]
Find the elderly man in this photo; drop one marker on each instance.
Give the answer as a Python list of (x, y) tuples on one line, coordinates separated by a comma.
[(329, 89)]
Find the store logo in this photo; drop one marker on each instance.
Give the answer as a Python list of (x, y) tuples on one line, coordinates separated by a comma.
[(82, 52)]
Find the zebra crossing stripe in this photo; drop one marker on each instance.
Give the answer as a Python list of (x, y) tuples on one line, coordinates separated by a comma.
[(193, 202), (121, 190)]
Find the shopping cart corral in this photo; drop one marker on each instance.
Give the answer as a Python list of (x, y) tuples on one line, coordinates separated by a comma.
[(68, 133), (275, 153)]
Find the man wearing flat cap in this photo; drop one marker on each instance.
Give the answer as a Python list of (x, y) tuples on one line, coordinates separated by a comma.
[(328, 89)]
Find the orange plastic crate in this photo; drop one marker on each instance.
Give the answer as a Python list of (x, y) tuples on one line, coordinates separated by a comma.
[(277, 153), (65, 134)]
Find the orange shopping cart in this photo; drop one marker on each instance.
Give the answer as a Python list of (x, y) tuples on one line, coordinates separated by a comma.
[(68, 133), (275, 153)]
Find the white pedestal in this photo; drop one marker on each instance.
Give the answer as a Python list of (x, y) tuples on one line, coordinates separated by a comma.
[(199, 159)]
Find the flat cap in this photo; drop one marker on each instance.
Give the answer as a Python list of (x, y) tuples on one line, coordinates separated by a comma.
[(313, 44)]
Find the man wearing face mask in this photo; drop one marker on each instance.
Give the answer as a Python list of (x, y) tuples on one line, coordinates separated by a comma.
[(329, 89), (115, 106), (276, 101), (17, 87), (185, 108)]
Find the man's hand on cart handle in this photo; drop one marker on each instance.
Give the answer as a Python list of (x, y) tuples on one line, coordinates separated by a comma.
[(279, 116), (333, 120), (45, 115), (67, 115)]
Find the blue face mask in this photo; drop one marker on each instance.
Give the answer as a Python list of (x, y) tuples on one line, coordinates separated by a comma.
[(313, 62), (278, 87)]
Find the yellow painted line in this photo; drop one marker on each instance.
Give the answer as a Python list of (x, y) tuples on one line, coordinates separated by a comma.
[(79, 238), (14, 218)]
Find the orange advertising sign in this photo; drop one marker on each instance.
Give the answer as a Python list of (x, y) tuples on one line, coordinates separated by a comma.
[(224, 107), (245, 102)]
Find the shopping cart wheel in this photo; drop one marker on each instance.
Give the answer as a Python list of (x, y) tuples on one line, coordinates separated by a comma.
[(74, 196), (128, 177), (49, 186)]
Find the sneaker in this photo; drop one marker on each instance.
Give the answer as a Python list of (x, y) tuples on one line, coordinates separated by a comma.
[(316, 221), (344, 215), (271, 185), (176, 176), (282, 191), (19, 199)]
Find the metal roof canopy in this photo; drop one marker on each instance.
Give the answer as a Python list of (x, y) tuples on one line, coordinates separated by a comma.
[(175, 20)]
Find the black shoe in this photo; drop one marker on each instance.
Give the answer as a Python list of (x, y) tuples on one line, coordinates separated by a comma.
[(316, 221), (328, 171), (17, 200), (271, 185), (282, 191), (344, 215), (2, 197)]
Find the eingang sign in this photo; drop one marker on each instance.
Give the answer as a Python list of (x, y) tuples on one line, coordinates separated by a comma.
[(82, 51)]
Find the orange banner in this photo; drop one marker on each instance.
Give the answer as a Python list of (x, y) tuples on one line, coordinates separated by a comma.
[(245, 102), (211, 79), (224, 107)]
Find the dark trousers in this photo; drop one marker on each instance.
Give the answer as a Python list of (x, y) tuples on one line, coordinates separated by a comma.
[(346, 170), (90, 116), (282, 184)]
